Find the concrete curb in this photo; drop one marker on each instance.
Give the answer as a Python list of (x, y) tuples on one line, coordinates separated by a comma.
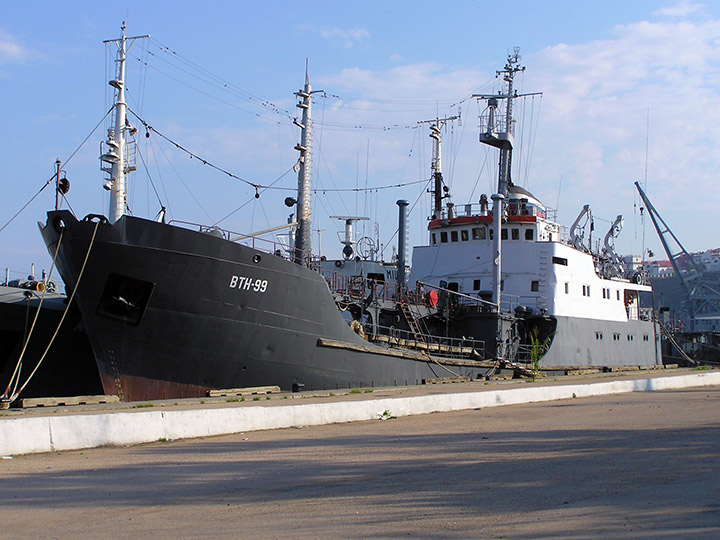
[(53, 433)]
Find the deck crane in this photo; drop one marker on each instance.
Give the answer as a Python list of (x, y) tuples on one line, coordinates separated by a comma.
[(701, 292)]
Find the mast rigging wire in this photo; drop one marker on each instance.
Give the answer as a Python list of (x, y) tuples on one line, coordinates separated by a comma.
[(49, 181)]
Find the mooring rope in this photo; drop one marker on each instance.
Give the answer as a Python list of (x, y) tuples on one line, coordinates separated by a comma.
[(67, 307), (15, 378)]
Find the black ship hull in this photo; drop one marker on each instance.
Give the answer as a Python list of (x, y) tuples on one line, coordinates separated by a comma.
[(68, 368), (172, 312)]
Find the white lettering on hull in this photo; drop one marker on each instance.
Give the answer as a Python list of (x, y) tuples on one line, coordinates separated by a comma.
[(245, 283)]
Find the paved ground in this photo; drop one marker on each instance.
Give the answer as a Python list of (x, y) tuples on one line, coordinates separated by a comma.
[(642, 465)]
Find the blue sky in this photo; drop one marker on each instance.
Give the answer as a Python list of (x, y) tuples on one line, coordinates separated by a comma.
[(616, 77)]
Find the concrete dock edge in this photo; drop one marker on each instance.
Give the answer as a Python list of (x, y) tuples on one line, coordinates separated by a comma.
[(77, 431)]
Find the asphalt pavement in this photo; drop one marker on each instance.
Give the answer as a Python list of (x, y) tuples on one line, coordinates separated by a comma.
[(636, 465)]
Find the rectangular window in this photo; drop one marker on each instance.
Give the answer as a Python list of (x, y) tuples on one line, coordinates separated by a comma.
[(476, 285), (618, 295), (567, 287), (534, 285), (464, 235), (515, 234), (443, 237), (434, 239), (478, 233), (586, 290), (503, 234), (492, 233), (559, 260), (453, 236), (529, 234)]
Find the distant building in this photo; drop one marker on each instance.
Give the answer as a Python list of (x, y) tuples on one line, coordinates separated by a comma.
[(709, 259)]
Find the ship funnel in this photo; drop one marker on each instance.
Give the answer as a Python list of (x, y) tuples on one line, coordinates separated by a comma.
[(402, 240)]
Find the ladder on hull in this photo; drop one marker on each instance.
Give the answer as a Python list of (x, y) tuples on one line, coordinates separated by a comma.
[(412, 321)]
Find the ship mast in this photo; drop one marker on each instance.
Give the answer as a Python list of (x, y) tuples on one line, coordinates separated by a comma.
[(302, 235), (498, 132), (115, 151), (435, 134)]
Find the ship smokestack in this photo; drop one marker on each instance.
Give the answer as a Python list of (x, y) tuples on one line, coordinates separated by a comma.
[(402, 240)]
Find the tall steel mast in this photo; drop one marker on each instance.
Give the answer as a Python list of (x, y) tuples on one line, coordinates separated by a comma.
[(115, 154), (499, 133), (302, 235), (436, 135)]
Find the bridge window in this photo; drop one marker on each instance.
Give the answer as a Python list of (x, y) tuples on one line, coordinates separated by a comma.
[(453, 236), (515, 234), (464, 235), (434, 239), (443, 237), (503, 234), (529, 234), (478, 233)]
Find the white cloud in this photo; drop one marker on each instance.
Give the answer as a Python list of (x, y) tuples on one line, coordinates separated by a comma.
[(11, 50), (680, 9), (593, 125), (347, 37)]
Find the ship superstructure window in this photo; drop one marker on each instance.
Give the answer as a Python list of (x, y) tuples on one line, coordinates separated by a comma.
[(598, 336), (616, 337), (606, 293), (534, 285), (646, 337), (631, 337), (586, 290), (559, 260), (618, 295), (567, 287), (443, 237), (476, 284), (453, 236), (464, 235), (479, 233), (491, 233), (515, 234), (503, 234), (434, 239), (529, 234)]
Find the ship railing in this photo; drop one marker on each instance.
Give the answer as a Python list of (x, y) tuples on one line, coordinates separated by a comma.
[(524, 354), (255, 242), (516, 208), (361, 287), (508, 303), (448, 347)]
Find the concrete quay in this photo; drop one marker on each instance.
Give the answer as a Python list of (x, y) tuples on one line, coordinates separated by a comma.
[(56, 429)]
